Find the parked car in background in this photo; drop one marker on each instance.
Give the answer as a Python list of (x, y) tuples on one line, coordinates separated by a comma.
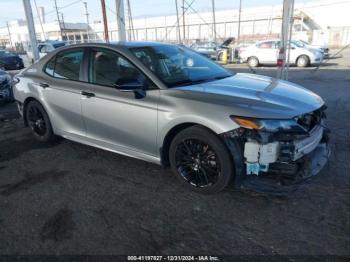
[(46, 47), (266, 52), (170, 105), (211, 49), (323, 48), (10, 61), (6, 93)]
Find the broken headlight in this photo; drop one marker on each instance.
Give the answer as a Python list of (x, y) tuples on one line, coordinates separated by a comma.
[(270, 125)]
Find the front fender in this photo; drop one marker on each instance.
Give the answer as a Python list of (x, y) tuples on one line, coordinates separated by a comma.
[(217, 127)]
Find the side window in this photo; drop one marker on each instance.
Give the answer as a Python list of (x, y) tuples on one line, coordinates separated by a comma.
[(109, 69), (68, 64), (144, 58), (50, 66), (266, 45)]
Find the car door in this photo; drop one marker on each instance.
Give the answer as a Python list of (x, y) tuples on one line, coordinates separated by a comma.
[(115, 119), (61, 87), (267, 52)]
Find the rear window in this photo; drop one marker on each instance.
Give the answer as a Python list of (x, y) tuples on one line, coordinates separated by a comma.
[(66, 64), (57, 45)]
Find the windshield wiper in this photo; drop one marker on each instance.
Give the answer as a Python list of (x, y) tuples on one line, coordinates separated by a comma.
[(199, 81)]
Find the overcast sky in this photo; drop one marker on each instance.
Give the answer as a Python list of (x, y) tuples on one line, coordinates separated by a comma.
[(73, 9)]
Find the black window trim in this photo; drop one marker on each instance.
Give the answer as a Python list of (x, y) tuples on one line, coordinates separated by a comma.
[(86, 64), (81, 70)]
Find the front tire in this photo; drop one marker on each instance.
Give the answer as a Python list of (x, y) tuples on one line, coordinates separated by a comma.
[(303, 61), (39, 122), (253, 62), (200, 160)]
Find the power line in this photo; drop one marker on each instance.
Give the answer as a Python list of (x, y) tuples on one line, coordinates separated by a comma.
[(58, 19), (205, 22), (172, 27)]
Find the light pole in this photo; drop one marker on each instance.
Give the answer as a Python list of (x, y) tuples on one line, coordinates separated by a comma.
[(31, 29), (178, 24), (105, 24), (86, 13), (214, 20), (120, 20), (239, 21), (286, 33)]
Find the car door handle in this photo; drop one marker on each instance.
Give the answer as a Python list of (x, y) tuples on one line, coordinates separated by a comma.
[(44, 85), (87, 94)]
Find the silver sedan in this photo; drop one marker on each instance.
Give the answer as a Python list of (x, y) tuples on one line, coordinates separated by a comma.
[(169, 105)]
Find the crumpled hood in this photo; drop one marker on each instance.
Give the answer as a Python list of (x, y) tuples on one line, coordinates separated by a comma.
[(257, 96)]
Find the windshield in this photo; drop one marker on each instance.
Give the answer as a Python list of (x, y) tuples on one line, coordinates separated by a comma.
[(177, 65), (297, 43), (304, 42)]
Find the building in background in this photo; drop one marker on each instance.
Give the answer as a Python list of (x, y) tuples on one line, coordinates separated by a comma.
[(16, 36), (322, 22)]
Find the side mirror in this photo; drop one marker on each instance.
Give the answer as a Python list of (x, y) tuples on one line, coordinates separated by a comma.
[(132, 86), (15, 80)]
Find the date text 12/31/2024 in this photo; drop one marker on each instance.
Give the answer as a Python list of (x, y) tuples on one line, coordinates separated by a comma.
[(173, 258)]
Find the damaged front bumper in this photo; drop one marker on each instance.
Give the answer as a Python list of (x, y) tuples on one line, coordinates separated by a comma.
[(282, 178), (279, 167)]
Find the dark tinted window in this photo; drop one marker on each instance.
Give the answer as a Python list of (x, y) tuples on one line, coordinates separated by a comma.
[(68, 64), (50, 66), (176, 65), (109, 68), (57, 45)]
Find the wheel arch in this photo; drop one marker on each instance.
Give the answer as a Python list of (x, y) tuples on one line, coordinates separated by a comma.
[(25, 104), (170, 135)]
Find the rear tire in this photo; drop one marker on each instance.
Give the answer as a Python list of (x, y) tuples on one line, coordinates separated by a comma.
[(303, 61), (200, 160), (253, 61), (39, 122)]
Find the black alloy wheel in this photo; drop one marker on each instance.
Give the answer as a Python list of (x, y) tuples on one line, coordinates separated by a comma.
[(36, 120), (39, 122), (201, 160), (197, 163)]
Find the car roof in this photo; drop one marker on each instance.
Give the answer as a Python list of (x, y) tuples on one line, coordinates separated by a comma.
[(130, 44), (268, 40), (127, 44)]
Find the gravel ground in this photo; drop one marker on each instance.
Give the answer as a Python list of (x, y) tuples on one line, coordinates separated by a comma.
[(69, 198)]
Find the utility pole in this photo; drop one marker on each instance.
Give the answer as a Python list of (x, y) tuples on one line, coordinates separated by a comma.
[(239, 22), (31, 28), (131, 23), (183, 21), (9, 33), (286, 32), (41, 16), (178, 24), (105, 24), (63, 26), (86, 13), (214, 21), (58, 19), (120, 19)]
